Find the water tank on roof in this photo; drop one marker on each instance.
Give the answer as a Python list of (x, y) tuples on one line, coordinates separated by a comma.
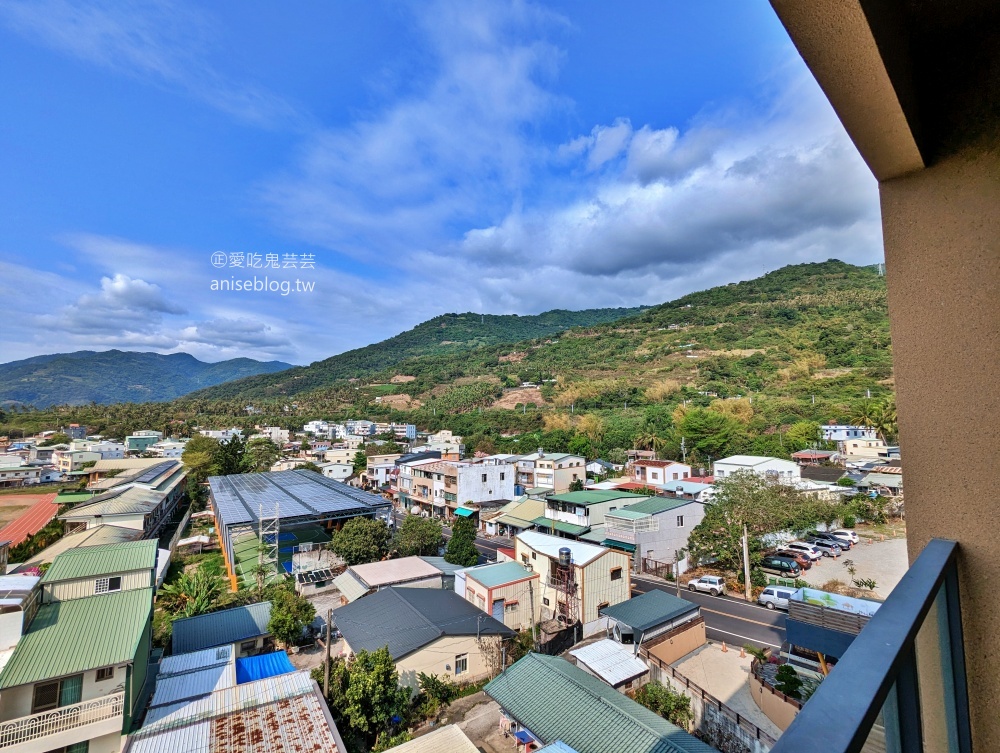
[(565, 556)]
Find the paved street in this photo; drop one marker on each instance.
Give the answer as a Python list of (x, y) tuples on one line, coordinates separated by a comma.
[(731, 620)]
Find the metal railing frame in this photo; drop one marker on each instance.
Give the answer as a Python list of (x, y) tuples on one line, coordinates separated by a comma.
[(881, 665), (45, 723)]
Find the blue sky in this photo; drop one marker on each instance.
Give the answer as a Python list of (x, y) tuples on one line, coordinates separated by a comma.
[(420, 158)]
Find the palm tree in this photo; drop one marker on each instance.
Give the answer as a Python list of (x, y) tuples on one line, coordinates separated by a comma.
[(191, 594)]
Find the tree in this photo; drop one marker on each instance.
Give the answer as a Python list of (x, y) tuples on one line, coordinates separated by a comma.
[(362, 540), (418, 536), (750, 504), (201, 457), (290, 613), (57, 438), (576, 486), (310, 466), (259, 455), (191, 594), (672, 706), (788, 681), (360, 461), (230, 456), (373, 696), (710, 433), (462, 545)]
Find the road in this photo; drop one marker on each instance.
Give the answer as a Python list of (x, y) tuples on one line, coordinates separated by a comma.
[(487, 547), (731, 620)]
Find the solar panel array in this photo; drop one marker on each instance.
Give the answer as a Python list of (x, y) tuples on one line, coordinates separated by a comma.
[(315, 576), (151, 473), (244, 498)]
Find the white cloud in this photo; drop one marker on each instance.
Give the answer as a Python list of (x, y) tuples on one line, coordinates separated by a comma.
[(157, 40)]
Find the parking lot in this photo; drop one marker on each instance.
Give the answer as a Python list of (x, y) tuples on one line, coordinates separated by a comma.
[(884, 562)]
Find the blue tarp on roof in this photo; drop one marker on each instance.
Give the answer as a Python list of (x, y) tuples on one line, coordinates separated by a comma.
[(261, 667)]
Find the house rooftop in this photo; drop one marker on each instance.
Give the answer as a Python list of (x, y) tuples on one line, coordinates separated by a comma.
[(750, 460), (70, 637), (611, 661), (93, 561), (407, 619), (375, 574), (581, 552), (220, 628), (498, 574), (558, 701), (648, 610), (593, 497), (655, 463), (657, 505), (447, 739)]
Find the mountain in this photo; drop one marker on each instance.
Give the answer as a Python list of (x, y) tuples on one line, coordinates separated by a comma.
[(445, 335), (801, 331), (116, 376)]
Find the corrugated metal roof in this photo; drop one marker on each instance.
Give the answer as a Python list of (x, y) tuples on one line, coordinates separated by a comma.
[(93, 561), (448, 738), (387, 572), (595, 496), (130, 500), (349, 586), (582, 553), (407, 619), (657, 505), (648, 610), (97, 536), (74, 636), (557, 701), (611, 661), (492, 576), (560, 525), (283, 714), (195, 660), (445, 567), (191, 685), (219, 628)]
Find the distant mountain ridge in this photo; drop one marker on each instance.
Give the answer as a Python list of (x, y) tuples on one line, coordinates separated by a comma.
[(443, 336), (112, 376)]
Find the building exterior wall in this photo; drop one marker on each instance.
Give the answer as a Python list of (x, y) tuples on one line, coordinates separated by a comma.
[(435, 658), (669, 537), (657, 476), (84, 587), (599, 589), (681, 644), (522, 605), (785, 469)]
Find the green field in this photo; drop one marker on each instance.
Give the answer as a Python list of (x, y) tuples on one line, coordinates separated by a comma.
[(246, 548)]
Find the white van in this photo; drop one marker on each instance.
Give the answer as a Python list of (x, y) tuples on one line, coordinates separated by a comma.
[(775, 596)]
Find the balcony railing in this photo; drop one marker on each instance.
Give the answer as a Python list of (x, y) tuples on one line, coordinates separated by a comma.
[(872, 699), (47, 723)]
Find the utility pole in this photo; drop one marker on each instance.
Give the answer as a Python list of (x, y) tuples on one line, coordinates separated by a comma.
[(684, 456), (746, 563), (326, 671)]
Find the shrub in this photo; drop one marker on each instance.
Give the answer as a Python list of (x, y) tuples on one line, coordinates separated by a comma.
[(788, 681), (849, 521)]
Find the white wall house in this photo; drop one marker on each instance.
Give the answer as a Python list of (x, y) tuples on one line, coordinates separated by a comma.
[(781, 470), (336, 471), (659, 472)]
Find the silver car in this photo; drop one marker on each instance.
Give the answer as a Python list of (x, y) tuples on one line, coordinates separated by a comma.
[(827, 547), (711, 584)]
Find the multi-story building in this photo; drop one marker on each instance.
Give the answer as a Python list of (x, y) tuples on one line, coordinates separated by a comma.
[(774, 468), (659, 472), (577, 579), (401, 431), (223, 435), (657, 528), (379, 471), (318, 429), (444, 489), (107, 449), (67, 461), (275, 433), (360, 427), (573, 514), (841, 433), (76, 678), (168, 448), (75, 431), (18, 473), (140, 441), (506, 590), (552, 472)]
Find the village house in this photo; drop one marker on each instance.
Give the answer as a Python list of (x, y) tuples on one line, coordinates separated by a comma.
[(573, 514), (658, 472), (657, 529), (773, 468), (93, 570), (506, 590), (243, 628), (410, 572), (550, 471)]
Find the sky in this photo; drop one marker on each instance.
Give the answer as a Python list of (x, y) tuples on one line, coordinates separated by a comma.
[(365, 166)]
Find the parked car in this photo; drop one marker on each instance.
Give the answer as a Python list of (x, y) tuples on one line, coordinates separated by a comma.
[(781, 565), (800, 547), (803, 561), (711, 584), (829, 536), (829, 548), (846, 533), (775, 597)]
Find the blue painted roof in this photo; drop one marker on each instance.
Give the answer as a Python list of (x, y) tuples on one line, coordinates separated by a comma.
[(261, 667)]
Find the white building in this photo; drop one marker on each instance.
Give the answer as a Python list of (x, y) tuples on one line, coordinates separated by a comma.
[(360, 427), (659, 472), (275, 433), (107, 449), (443, 488), (781, 470), (15, 472), (336, 471), (317, 428), (168, 448), (224, 435), (842, 433)]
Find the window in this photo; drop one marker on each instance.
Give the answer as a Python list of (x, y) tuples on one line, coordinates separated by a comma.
[(461, 664), (107, 585), (510, 607), (534, 555), (484, 478), (246, 646), (52, 695), (524, 559), (680, 521), (602, 605), (545, 601), (616, 573), (501, 477), (105, 673)]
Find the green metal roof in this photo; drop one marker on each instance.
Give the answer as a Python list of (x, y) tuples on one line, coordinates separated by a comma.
[(595, 535), (555, 700), (595, 496), (615, 544), (75, 636), (108, 559), (628, 514), (558, 525), (492, 576), (656, 505), (649, 610), (465, 512), (65, 499)]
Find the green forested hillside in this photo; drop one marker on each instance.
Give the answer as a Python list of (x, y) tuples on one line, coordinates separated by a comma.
[(116, 376), (749, 367), (448, 335)]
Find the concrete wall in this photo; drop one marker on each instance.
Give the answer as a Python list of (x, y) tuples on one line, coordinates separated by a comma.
[(16, 702), (673, 648), (434, 658), (772, 704), (942, 246)]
